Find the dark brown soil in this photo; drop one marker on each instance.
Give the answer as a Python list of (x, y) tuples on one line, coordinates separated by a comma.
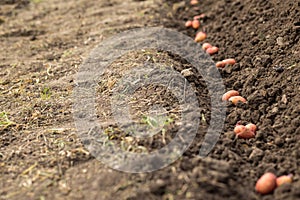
[(42, 45)]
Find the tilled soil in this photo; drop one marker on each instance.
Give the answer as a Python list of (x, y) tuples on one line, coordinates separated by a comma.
[(44, 43), (264, 39)]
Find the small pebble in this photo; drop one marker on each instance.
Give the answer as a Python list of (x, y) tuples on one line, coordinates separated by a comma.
[(279, 41), (278, 69), (279, 141), (187, 72)]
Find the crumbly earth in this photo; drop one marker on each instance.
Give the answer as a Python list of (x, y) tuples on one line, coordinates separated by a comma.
[(43, 44)]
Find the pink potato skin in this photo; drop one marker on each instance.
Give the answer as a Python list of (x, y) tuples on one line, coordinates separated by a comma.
[(266, 183)]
